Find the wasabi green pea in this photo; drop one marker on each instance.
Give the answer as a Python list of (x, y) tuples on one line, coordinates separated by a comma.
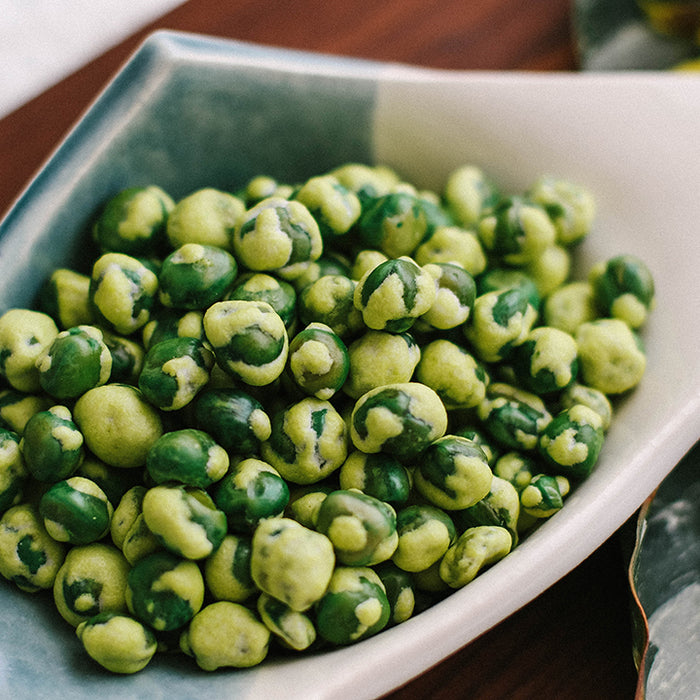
[(227, 569), (330, 300), (261, 187), (318, 361), (293, 629), (164, 591), (394, 294), (188, 456), (168, 323), (366, 181), (362, 528), (400, 593), (514, 417), (498, 279), (174, 371), (194, 276), (127, 358), (544, 495), (235, 419), (550, 269), (78, 359), (500, 321), (225, 634), (354, 607), (334, 206), (252, 490), (23, 336), (594, 399), (184, 519), (569, 306), (249, 340), (516, 230), (91, 580), (65, 296), (572, 441), (128, 529), (475, 549), (455, 245), (571, 207), (291, 562), (425, 534), (377, 358), (480, 437), (455, 375), (623, 288), (277, 233), (379, 475), (13, 472), (366, 260), (610, 355), (133, 221), (516, 467), (52, 445), (17, 407), (76, 510), (453, 473), (117, 642), (29, 556), (308, 441), (330, 263), (304, 503), (546, 361), (469, 193), (206, 216), (454, 301), (399, 419), (118, 424), (279, 294)]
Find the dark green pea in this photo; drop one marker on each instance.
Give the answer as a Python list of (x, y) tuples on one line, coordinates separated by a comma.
[(77, 360), (168, 323), (13, 473), (188, 456), (399, 591), (379, 475), (76, 510), (329, 300), (235, 419), (544, 495), (174, 371), (127, 358), (252, 490), (115, 482), (52, 445), (279, 294), (425, 534)]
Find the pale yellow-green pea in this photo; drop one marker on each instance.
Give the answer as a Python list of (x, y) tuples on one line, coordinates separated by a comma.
[(118, 424), (595, 399), (323, 196), (125, 514), (372, 180), (475, 549), (515, 468), (379, 357), (207, 216), (418, 549), (92, 579), (457, 378), (295, 630), (72, 298), (227, 570), (453, 244), (225, 634), (260, 187), (505, 500), (139, 541), (16, 408), (533, 502), (291, 562), (24, 334), (569, 306), (429, 579), (464, 193), (447, 311), (304, 508), (365, 261), (118, 642), (610, 358), (550, 269)]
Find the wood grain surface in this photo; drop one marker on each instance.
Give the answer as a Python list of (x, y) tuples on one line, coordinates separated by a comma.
[(574, 641)]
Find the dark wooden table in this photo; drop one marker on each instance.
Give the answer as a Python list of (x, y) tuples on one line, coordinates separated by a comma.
[(574, 641)]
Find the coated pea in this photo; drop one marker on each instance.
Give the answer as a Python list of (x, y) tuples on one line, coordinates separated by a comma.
[(516, 467), (13, 473), (279, 294), (168, 323), (113, 481), (425, 534), (334, 206), (399, 588), (227, 569), (17, 407), (262, 186), (65, 296), (480, 437), (330, 263), (595, 399), (128, 529), (330, 300), (379, 475), (454, 300), (569, 306), (304, 503), (452, 244), (127, 358), (544, 495), (497, 279), (550, 269), (295, 630), (366, 181), (469, 193), (366, 260)]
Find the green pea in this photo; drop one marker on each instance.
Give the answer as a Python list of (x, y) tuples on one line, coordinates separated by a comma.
[(544, 495), (354, 607), (206, 216), (249, 340), (399, 587), (279, 294), (379, 475), (497, 279), (550, 269), (308, 441), (164, 591), (184, 519), (452, 244), (133, 221), (516, 467), (331, 262), (225, 634), (76, 510), (318, 361), (572, 441), (235, 419), (425, 534), (17, 407), (329, 300), (469, 193), (29, 556), (128, 529), (78, 359), (304, 503), (188, 456), (394, 294), (52, 445), (475, 549), (13, 472), (291, 562), (334, 206), (364, 261), (456, 291), (480, 437), (91, 580), (117, 642), (168, 323), (293, 629), (399, 419), (366, 181), (569, 306), (595, 399), (453, 473), (65, 296), (252, 490), (113, 481), (260, 187), (227, 569), (127, 358), (23, 336)]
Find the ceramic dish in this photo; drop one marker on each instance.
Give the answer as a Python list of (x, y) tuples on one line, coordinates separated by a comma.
[(188, 111)]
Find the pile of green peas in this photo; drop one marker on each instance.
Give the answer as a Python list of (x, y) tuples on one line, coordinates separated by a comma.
[(289, 416)]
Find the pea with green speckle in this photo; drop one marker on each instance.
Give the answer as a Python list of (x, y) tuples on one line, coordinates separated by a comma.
[(454, 300), (168, 323), (13, 472), (379, 475), (544, 495), (400, 591), (330, 300), (594, 399), (425, 534), (279, 294), (334, 206)]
